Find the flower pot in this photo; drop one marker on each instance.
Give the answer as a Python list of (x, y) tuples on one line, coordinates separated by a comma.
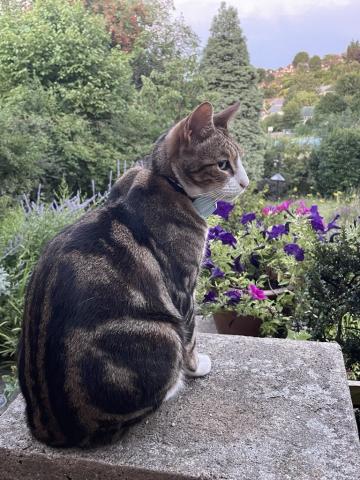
[(231, 323)]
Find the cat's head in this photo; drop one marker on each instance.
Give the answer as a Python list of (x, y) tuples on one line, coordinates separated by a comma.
[(202, 156)]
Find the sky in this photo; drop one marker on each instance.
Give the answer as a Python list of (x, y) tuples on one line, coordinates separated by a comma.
[(277, 29)]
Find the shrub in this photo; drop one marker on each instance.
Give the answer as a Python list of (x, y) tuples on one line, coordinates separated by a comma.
[(330, 307), (336, 163), (24, 232)]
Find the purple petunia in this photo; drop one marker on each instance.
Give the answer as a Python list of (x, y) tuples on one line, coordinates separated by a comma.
[(218, 233), (208, 263), (210, 297), (256, 293), (217, 273), (278, 230), (332, 225), (294, 250), (223, 209), (207, 251), (234, 296), (316, 220), (227, 238), (214, 232), (237, 266), (255, 260), (247, 217)]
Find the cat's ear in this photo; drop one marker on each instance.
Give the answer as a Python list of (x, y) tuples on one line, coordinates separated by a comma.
[(199, 122), (222, 119)]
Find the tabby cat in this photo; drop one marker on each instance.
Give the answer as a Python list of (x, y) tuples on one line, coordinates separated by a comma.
[(108, 330)]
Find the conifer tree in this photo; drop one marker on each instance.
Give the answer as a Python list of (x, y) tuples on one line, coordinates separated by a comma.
[(230, 77)]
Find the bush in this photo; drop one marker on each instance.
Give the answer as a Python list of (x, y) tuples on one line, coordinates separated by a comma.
[(336, 163), (329, 305), (64, 97), (24, 230)]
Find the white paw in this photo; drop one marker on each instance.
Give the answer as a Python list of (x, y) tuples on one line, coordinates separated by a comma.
[(203, 368)]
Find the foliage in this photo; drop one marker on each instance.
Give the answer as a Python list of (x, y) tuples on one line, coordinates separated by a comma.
[(329, 305), (301, 58), (315, 62), (353, 51), (229, 75), (331, 103), (62, 90), (24, 232), (11, 383), (336, 162), (292, 159), (125, 19)]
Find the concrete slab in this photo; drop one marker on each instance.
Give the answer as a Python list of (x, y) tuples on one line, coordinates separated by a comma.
[(270, 410), (205, 324)]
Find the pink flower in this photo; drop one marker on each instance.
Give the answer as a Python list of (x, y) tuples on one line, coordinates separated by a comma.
[(283, 206), (256, 293), (269, 210), (302, 209)]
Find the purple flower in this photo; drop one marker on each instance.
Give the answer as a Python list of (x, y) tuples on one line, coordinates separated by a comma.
[(227, 238), (207, 263), (237, 266), (332, 224), (214, 232), (255, 260), (223, 209), (207, 251), (217, 273), (247, 217), (278, 230), (294, 250), (210, 297), (317, 221), (256, 293), (234, 296)]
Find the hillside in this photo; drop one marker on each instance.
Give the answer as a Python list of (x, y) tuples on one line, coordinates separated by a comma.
[(295, 93)]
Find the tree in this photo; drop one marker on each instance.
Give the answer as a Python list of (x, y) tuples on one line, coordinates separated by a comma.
[(336, 163), (315, 62), (300, 58), (56, 64), (353, 51), (126, 19), (331, 103), (230, 77), (348, 84)]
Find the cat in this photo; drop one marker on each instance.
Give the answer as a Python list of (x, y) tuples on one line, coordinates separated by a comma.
[(108, 331)]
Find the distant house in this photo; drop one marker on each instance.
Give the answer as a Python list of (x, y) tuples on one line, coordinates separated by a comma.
[(272, 106), (325, 89), (307, 114)]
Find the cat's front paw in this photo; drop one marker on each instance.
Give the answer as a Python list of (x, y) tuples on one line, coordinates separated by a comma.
[(203, 367)]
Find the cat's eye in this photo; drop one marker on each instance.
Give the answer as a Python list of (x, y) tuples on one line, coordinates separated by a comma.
[(224, 165)]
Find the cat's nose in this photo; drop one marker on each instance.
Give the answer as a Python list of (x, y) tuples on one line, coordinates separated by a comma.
[(244, 183)]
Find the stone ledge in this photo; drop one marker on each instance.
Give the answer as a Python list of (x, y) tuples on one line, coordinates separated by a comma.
[(270, 410)]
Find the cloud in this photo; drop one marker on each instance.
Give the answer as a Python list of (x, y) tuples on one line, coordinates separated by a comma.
[(258, 8)]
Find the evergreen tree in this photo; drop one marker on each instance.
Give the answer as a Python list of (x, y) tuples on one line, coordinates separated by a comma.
[(229, 78)]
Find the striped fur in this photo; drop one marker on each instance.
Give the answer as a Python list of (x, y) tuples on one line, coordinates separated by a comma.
[(108, 325)]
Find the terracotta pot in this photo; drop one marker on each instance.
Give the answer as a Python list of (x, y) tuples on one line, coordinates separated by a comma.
[(232, 324)]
